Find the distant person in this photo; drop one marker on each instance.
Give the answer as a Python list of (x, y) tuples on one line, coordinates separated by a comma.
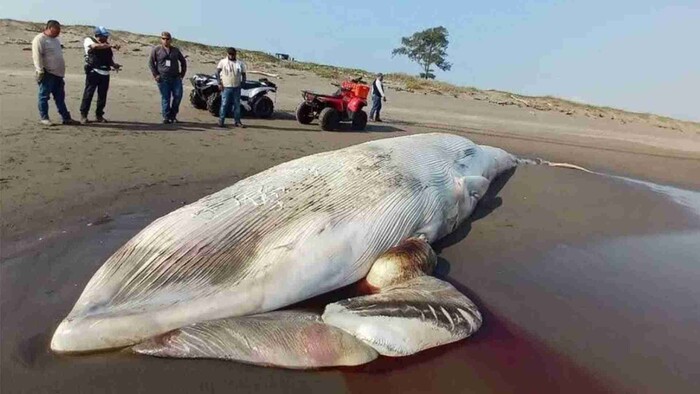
[(168, 67), (377, 97), (231, 74), (99, 60), (47, 54)]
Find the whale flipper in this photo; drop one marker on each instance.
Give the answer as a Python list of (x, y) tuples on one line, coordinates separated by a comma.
[(411, 310), (408, 317), (291, 339)]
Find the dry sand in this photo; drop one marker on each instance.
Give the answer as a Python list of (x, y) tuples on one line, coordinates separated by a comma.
[(549, 259)]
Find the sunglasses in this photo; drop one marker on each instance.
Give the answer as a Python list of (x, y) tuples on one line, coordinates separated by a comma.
[(166, 38)]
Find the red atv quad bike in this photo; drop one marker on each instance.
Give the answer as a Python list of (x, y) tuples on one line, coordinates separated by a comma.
[(344, 106)]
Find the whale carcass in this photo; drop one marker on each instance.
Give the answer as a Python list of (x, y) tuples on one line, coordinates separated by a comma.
[(202, 280)]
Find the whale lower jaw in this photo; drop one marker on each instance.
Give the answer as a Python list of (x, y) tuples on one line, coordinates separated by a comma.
[(80, 333), (91, 335), (95, 332)]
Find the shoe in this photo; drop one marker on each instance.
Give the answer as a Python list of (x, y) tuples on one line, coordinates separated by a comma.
[(71, 122), (101, 119), (174, 120), (166, 121), (46, 122), (239, 124), (83, 120), (221, 124), (378, 120)]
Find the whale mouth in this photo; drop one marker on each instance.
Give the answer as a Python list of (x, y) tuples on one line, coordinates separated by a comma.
[(95, 333), (87, 335)]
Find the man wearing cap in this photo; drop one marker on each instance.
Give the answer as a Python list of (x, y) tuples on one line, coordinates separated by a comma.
[(47, 55), (377, 97), (168, 67), (99, 60), (231, 74)]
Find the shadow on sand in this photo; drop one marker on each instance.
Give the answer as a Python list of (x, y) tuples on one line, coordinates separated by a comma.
[(146, 126), (289, 124)]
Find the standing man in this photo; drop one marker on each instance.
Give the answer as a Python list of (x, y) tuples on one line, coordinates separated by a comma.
[(377, 97), (99, 59), (168, 67), (47, 54), (231, 74)]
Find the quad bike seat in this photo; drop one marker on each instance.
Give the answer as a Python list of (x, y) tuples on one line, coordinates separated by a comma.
[(251, 85), (329, 96)]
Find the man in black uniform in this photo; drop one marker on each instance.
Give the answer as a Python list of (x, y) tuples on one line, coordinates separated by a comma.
[(99, 60)]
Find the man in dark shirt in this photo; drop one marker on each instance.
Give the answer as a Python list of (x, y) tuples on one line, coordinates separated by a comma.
[(99, 60), (377, 97), (168, 67)]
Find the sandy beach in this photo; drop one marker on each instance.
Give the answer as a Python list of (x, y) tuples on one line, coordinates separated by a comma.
[(588, 281)]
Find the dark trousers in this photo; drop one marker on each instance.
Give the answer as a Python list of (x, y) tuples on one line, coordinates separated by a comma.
[(376, 107), (170, 96), (99, 82), (52, 85)]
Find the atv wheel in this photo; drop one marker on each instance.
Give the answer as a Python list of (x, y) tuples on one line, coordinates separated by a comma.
[(214, 103), (263, 107), (359, 120), (197, 101), (305, 113), (329, 118)]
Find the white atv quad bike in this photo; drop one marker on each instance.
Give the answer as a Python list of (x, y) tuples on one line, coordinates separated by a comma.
[(254, 96)]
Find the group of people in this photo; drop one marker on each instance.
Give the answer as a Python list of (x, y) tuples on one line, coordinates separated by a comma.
[(166, 63)]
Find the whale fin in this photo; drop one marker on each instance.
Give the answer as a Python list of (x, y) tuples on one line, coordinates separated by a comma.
[(290, 339), (411, 311), (408, 317)]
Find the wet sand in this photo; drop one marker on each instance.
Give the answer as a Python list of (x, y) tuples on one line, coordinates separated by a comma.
[(587, 284)]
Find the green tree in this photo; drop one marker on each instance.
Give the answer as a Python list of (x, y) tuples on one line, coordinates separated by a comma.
[(426, 48)]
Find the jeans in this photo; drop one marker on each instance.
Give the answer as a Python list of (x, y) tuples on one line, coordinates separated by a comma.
[(376, 107), (55, 86), (170, 88), (230, 97), (94, 81)]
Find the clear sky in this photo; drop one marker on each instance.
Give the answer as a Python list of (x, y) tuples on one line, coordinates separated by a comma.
[(633, 54)]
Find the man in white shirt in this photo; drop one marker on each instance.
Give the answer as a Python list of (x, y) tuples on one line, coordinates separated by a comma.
[(47, 54), (99, 60), (377, 97), (231, 74)]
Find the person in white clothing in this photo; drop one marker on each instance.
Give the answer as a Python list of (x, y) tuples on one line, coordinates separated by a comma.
[(99, 60), (377, 97), (231, 74)]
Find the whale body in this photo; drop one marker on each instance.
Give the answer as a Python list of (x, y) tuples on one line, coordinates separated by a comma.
[(294, 231)]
